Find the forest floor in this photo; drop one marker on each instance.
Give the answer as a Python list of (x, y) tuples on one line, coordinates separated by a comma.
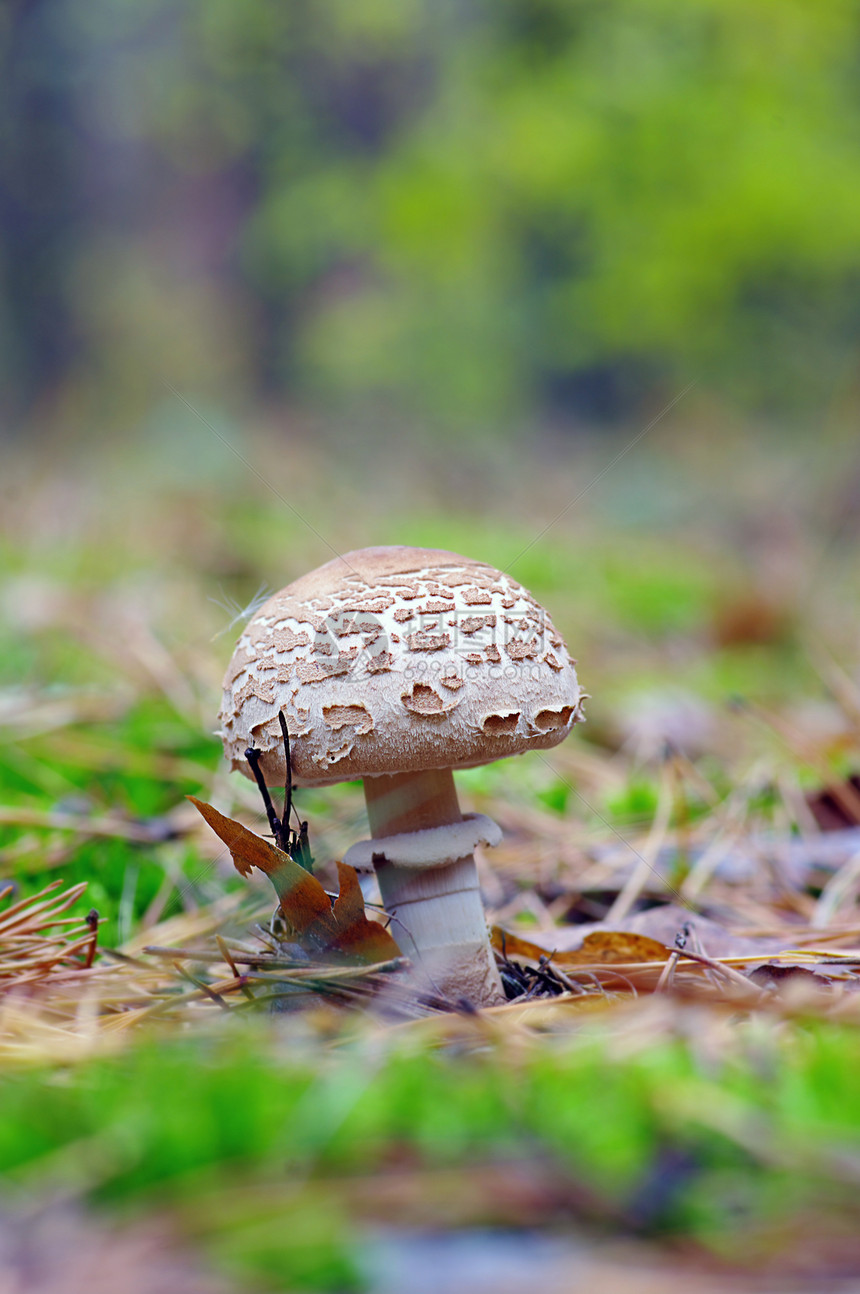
[(674, 1106)]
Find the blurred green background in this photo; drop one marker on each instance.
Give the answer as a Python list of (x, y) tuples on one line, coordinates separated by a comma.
[(465, 214)]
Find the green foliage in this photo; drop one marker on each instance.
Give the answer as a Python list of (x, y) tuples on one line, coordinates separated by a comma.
[(465, 211), (635, 802), (124, 769), (251, 1130)]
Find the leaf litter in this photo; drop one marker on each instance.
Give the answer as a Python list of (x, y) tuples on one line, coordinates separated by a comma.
[(324, 949)]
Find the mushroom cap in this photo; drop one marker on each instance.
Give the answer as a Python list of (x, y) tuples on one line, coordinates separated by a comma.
[(395, 660)]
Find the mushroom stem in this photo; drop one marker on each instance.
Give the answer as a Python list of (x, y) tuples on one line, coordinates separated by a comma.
[(438, 913), (411, 802)]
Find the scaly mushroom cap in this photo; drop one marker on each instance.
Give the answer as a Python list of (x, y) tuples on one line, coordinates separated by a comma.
[(393, 660)]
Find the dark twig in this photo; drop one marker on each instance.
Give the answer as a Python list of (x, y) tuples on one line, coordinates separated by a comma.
[(92, 920), (667, 977), (298, 843), (293, 841), (288, 785), (253, 758)]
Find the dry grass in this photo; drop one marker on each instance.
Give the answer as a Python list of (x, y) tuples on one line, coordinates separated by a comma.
[(120, 603)]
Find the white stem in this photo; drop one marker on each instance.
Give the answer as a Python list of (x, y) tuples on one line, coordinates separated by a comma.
[(430, 847), (437, 913)]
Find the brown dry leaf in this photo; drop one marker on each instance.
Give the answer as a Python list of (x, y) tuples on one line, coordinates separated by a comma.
[(343, 931), (663, 924), (601, 948), (610, 947), (359, 938)]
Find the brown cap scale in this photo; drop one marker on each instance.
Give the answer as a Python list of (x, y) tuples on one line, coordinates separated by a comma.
[(398, 665)]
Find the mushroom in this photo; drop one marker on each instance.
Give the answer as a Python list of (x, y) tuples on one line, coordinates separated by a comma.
[(398, 665)]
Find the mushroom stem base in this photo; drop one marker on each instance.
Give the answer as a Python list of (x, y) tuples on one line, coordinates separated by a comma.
[(437, 913), (438, 920)]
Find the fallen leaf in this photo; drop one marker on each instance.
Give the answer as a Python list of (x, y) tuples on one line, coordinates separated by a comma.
[(663, 924), (343, 930), (608, 946), (359, 938), (772, 976), (602, 948)]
